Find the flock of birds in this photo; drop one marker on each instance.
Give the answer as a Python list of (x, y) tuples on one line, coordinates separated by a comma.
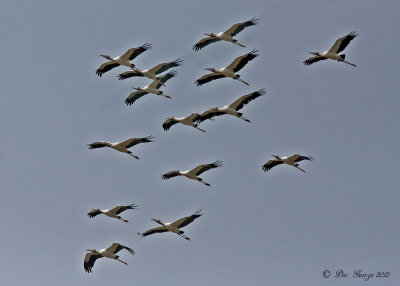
[(192, 120)]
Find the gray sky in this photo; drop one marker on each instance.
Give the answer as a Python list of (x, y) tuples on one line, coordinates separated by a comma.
[(283, 227)]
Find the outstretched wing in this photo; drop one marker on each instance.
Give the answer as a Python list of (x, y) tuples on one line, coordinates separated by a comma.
[(187, 220), (94, 213), (342, 43), (159, 229), (164, 78), (120, 209), (90, 259), (115, 247), (99, 144), (134, 96), (134, 52), (134, 141), (129, 74), (238, 27), (208, 77), (204, 42), (209, 114), (106, 67), (160, 68), (245, 99), (168, 123), (241, 61), (312, 60), (270, 164), (170, 175), (202, 168), (297, 158)]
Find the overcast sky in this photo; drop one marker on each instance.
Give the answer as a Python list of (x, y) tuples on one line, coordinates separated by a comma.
[(282, 227)]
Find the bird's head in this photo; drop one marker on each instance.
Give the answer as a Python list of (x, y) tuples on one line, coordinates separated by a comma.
[(92, 250), (276, 157), (136, 88), (314, 53), (169, 118), (157, 221), (210, 34), (210, 69)]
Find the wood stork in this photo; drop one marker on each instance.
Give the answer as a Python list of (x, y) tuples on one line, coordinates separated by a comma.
[(114, 212), (122, 146), (124, 60), (151, 88), (229, 71), (173, 226), (232, 108), (151, 73), (291, 161), (333, 52), (188, 120), (194, 173), (93, 255), (225, 36)]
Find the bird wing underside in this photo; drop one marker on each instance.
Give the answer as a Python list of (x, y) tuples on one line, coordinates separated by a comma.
[(245, 99), (208, 77), (342, 43), (202, 168), (241, 61), (159, 229), (204, 42), (238, 27), (270, 164)]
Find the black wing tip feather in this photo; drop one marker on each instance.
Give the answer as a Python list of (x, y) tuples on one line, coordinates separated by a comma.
[(177, 62), (352, 34), (198, 212), (146, 46), (148, 138), (132, 206), (253, 21), (99, 73), (217, 164), (265, 168), (253, 53)]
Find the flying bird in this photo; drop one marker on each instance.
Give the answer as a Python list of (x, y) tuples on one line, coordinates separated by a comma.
[(93, 255), (333, 52), (291, 161), (151, 73), (188, 120), (229, 71), (194, 173), (122, 146), (151, 88), (232, 108), (174, 226), (124, 60), (225, 36), (114, 212)]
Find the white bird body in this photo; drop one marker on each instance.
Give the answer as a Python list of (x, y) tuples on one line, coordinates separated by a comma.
[(333, 53), (110, 252), (226, 35), (151, 73), (232, 108), (188, 120), (173, 226), (113, 213), (122, 146), (228, 71), (124, 60), (151, 88), (291, 161), (194, 173)]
